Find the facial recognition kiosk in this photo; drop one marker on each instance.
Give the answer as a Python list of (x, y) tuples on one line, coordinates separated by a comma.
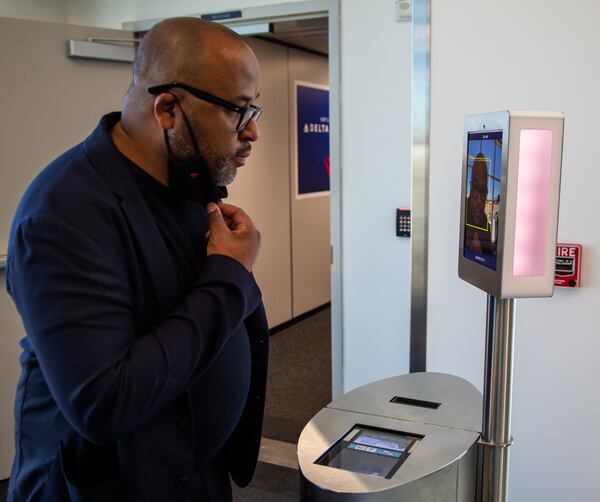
[(429, 436), (509, 207), (509, 217)]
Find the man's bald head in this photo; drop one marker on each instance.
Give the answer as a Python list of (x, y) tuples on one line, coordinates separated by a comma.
[(183, 49), (175, 50)]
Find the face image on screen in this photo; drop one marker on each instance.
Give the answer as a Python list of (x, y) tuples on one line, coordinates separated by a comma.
[(385, 441), (482, 207)]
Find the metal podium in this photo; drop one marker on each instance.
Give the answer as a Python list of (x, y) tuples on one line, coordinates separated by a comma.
[(440, 414)]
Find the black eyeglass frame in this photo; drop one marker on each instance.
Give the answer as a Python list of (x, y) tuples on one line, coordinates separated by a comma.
[(247, 113)]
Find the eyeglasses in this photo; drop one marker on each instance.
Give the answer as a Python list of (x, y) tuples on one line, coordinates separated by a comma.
[(246, 113)]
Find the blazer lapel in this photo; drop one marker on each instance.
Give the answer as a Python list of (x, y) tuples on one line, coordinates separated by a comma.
[(154, 251), (114, 168)]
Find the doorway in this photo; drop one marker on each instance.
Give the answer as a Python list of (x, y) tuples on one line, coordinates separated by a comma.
[(311, 27)]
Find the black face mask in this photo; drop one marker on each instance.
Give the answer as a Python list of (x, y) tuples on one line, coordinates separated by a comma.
[(190, 178)]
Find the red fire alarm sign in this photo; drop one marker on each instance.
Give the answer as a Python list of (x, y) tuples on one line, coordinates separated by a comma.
[(568, 264)]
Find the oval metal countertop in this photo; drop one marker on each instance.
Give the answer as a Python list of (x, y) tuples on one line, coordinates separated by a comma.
[(448, 432)]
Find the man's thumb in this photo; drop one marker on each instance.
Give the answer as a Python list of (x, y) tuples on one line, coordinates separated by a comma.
[(215, 218)]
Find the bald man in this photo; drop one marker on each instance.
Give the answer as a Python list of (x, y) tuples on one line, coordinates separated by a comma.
[(144, 360)]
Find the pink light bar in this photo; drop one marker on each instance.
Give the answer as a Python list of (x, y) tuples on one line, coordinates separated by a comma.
[(533, 199)]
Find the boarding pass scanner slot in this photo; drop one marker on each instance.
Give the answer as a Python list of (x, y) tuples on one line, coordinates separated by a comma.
[(415, 402)]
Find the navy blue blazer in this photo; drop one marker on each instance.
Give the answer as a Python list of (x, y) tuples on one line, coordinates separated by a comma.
[(103, 410)]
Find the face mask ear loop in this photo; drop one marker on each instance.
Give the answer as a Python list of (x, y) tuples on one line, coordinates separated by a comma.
[(190, 130), (165, 134), (188, 127), (167, 142)]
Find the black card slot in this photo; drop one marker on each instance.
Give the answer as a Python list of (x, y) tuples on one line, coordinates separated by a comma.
[(415, 402)]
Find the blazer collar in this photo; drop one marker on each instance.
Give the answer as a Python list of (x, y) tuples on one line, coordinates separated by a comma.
[(106, 159)]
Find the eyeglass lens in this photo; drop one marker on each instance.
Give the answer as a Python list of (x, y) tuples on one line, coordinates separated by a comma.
[(249, 114)]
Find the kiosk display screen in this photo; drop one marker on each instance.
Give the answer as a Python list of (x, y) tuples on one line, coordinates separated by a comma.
[(369, 451), (482, 198)]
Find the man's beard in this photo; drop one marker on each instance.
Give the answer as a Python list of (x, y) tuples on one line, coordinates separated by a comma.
[(220, 167)]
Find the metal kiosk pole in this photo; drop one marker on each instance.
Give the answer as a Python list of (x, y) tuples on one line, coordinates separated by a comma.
[(497, 399)]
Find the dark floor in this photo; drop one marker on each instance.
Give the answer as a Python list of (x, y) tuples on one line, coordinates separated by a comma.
[(299, 382), (271, 483), (299, 385)]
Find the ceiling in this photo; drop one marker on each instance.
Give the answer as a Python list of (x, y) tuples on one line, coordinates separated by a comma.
[(307, 34)]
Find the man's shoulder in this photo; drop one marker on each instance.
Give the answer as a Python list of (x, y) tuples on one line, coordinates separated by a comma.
[(84, 178), (70, 176), (68, 188)]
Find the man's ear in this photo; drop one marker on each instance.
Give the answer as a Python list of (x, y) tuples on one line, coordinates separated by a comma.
[(164, 110)]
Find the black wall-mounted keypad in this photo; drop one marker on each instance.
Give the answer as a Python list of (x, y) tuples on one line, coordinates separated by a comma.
[(403, 222)]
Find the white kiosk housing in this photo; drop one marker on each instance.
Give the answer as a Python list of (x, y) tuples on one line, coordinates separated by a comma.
[(509, 209)]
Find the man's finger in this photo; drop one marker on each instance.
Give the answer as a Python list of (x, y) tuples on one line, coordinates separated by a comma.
[(229, 222), (228, 209), (215, 218), (237, 215)]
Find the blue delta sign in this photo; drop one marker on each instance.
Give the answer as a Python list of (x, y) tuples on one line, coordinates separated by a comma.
[(312, 126)]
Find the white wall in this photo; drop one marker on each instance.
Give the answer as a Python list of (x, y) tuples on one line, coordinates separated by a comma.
[(38, 10), (102, 13), (376, 146), (535, 55)]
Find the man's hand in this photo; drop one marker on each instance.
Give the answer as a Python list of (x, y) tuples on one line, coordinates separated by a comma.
[(232, 233)]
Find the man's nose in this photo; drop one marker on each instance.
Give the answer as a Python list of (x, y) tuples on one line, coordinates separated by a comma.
[(251, 132)]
